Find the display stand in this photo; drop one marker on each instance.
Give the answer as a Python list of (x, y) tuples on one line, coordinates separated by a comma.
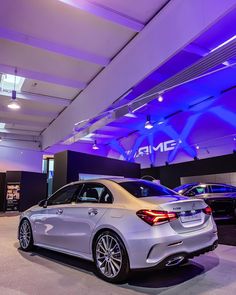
[(2, 190), (24, 189)]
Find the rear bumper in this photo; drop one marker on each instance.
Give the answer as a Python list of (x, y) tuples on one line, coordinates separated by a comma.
[(179, 257), (152, 248)]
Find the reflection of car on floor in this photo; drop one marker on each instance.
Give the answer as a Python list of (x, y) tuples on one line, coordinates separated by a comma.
[(220, 197), (120, 224)]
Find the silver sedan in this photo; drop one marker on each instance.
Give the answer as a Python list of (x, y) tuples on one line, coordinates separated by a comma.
[(120, 224)]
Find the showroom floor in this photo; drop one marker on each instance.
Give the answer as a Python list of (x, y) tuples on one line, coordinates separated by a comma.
[(46, 272)]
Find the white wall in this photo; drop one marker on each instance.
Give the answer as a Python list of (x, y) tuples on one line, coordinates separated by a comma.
[(16, 159)]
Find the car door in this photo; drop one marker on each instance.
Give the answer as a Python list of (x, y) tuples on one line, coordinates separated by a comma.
[(199, 191), (47, 223), (80, 217)]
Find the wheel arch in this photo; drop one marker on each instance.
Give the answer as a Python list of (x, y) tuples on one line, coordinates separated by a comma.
[(107, 228)]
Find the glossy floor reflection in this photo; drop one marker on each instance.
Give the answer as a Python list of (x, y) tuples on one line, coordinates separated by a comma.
[(48, 272)]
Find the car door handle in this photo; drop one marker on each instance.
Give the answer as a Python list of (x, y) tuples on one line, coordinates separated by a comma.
[(92, 212), (59, 211)]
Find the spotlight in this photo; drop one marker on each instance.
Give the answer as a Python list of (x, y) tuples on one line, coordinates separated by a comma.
[(148, 124), (180, 141), (13, 104), (234, 138), (95, 147), (160, 98), (197, 147)]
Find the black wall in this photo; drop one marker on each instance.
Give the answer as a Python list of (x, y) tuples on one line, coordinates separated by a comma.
[(33, 187), (2, 190), (68, 165), (170, 175)]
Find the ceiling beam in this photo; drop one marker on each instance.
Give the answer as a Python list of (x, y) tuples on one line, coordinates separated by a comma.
[(6, 69), (19, 131), (52, 47), (30, 112), (23, 122), (38, 98), (106, 13)]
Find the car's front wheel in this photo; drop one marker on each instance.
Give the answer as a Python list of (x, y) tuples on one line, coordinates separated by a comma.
[(25, 236), (111, 257)]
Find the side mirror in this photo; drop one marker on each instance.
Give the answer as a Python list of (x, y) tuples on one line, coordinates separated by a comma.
[(43, 203)]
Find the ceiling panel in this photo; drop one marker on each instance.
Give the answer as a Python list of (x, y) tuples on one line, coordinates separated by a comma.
[(45, 62), (141, 10), (65, 25), (49, 89)]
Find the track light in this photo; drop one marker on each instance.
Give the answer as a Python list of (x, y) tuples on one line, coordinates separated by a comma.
[(95, 147), (13, 104), (148, 124), (160, 98)]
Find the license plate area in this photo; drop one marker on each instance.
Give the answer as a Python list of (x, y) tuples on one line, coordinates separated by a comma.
[(190, 216)]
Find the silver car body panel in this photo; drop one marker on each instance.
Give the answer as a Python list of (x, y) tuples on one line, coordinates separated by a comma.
[(73, 230)]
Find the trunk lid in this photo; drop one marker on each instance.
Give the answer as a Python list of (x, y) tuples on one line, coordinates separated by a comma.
[(189, 211)]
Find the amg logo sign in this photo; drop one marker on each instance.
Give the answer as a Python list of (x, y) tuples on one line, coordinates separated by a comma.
[(165, 146)]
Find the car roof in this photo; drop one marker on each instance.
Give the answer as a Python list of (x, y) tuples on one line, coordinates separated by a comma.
[(101, 180), (205, 183)]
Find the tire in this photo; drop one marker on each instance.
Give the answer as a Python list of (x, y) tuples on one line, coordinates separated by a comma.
[(26, 236), (110, 257)]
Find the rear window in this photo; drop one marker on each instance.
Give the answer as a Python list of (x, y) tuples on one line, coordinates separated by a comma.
[(143, 189)]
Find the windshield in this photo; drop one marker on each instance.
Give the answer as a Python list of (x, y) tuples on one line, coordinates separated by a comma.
[(143, 189), (183, 188)]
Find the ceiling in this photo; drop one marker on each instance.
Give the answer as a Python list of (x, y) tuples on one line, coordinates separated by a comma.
[(87, 64)]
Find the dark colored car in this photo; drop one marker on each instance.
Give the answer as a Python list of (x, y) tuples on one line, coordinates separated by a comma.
[(220, 197)]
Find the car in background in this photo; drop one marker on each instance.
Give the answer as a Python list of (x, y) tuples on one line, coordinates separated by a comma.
[(220, 197), (120, 224)]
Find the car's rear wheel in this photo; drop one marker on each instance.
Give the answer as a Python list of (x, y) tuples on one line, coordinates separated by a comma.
[(111, 257), (25, 236)]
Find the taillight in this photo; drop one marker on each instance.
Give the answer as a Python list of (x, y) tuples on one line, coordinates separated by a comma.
[(153, 217), (207, 210)]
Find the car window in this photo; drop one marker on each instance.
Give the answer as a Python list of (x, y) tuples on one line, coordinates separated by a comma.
[(197, 190), (222, 189), (94, 193), (64, 196), (142, 189)]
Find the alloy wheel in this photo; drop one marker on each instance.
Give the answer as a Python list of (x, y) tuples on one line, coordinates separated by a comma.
[(25, 234), (108, 256)]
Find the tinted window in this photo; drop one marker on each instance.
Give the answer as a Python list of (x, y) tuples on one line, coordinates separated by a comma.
[(94, 193), (198, 190), (63, 196), (142, 189), (222, 189)]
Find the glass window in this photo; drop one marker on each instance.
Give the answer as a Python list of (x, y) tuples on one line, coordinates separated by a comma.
[(64, 196), (222, 189), (94, 193), (198, 190), (142, 189)]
